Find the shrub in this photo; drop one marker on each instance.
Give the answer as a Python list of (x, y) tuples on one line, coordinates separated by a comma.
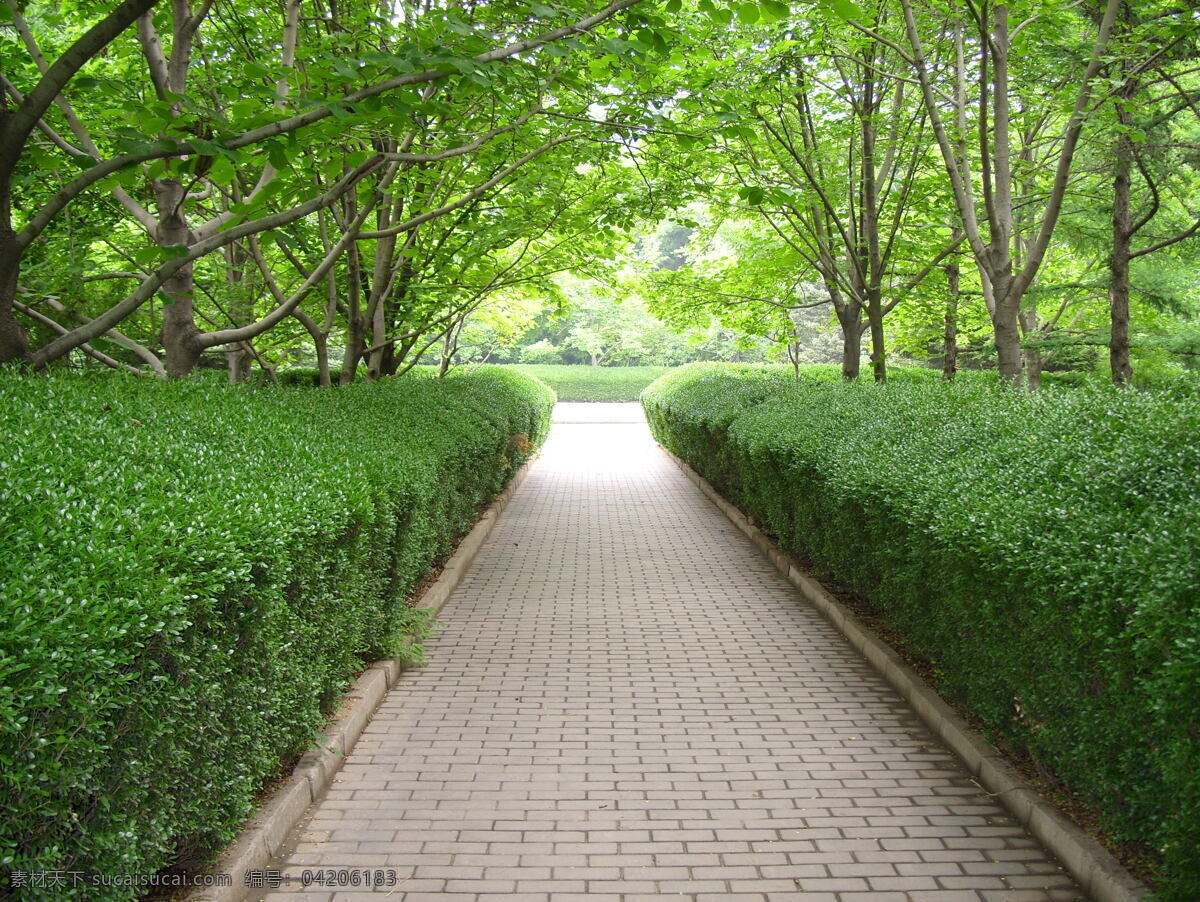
[(541, 352), (1043, 548), (192, 574), (308, 376)]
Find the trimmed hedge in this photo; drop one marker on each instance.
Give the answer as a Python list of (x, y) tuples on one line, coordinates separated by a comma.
[(192, 572), (1042, 548)]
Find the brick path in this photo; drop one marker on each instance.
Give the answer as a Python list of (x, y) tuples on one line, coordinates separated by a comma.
[(628, 702)]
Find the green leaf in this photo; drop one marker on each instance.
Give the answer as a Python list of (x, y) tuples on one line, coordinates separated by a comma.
[(222, 171), (400, 64), (774, 10), (845, 9), (277, 158), (208, 148), (465, 64), (333, 168), (128, 178), (752, 195), (747, 13), (146, 256)]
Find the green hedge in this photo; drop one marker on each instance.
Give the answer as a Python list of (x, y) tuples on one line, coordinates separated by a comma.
[(192, 572), (1042, 548)]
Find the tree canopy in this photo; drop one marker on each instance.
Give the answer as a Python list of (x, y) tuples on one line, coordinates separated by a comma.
[(363, 179)]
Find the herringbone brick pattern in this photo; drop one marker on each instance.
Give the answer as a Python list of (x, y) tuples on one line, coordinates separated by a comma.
[(628, 702)]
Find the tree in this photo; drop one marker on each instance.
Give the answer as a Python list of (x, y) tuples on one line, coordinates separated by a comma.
[(808, 124), (740, 273), (842, 147), (16, 127), (1010, 243), (1155, 42), (192, 138)]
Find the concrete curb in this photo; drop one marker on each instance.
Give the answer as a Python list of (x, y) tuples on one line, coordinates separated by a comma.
[(1092, 866), (265, 833)]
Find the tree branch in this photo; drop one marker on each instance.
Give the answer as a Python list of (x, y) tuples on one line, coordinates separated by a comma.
[(84, 346), (65, 343), (468, 197), (287, 306), (113, 335), (22, 121), (280, 127)]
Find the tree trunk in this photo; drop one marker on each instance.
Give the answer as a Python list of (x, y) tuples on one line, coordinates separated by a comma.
[(388, 363), (851, 348), (1005, 329), (1031, 355), (1122, 236), (356, 322), (849, 314), (324, 380), (878, 346), (375, 360), (355, 332), (397, 352), (448, 348), (14, 344), (320, 343), (239, 362), (1007, 335), (868, 250), (950, 334), (180, 335)]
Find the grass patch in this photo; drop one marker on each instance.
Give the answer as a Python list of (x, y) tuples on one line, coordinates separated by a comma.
[(593, 383)]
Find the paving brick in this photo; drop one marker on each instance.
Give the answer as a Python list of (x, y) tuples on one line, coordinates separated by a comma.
[(626, 700)]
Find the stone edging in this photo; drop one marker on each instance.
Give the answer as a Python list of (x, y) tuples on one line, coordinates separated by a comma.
[(265, 833), (1092, 866)]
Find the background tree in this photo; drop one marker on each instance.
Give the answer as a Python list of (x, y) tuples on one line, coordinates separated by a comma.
[(1008, 232)]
